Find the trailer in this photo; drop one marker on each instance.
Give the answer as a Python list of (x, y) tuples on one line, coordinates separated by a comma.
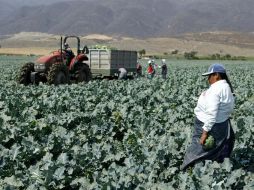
[(106, 62)]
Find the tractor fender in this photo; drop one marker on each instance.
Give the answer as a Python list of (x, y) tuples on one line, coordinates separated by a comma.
[(72, 64), (76, 60)]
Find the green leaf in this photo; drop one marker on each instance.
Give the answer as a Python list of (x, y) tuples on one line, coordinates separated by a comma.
[(13, 181)]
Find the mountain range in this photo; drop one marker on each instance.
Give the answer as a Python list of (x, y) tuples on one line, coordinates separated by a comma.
[(133, 18)]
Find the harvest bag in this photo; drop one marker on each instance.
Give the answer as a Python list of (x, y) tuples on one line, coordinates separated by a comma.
[(224, 139)]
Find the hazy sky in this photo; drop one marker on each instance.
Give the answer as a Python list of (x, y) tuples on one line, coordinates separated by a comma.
[(31, 2), (39, 2), (36, 2)]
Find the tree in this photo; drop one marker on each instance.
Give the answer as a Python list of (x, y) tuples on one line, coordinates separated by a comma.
[(191, 55), (142, 52), (228, 56), (174, 52)]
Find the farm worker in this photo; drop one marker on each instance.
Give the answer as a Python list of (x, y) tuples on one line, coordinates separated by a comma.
[(139, 70), (154, 65), (212, 112), (67, 48), (69, 53), (122, 73), (164, 69), (150, 71)]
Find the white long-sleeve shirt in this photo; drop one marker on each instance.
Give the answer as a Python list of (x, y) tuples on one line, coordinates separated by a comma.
[(123, 73), (215, 104)]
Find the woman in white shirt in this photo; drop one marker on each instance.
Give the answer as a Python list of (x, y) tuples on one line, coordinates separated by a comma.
[(212, 119)]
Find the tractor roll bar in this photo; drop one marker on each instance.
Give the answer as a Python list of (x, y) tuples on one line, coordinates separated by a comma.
[(78, 42)]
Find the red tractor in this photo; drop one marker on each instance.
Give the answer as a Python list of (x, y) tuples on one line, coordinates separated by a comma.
[(60, 67)]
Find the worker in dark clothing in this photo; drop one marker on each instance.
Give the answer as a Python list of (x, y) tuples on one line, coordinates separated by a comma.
[(69, 53), (164, 69), (139, 70)]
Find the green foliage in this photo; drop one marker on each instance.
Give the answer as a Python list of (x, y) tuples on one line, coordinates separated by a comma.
[(115, 134), (209, 143), (218, 56), (174, 52), (102, 47), (190, 55), (142, 52)]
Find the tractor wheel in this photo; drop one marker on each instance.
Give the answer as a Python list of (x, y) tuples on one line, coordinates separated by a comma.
[(130, 77), (24, 75), (83, 73), (58, 74)]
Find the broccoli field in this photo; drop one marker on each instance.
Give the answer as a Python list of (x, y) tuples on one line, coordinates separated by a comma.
[(111, 134)]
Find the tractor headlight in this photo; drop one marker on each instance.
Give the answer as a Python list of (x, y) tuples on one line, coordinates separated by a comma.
[(39, 67)]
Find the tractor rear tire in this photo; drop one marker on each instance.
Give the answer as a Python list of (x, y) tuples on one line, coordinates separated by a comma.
[(25, 72), (83, 73), (58, 74)]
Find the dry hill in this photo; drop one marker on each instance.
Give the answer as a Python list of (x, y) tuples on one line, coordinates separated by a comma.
[(133, 18), (237, 44)]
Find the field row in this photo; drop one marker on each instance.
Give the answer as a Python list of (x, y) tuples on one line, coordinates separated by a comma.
[(118, 134)]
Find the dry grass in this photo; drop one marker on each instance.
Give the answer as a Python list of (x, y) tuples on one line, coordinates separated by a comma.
[(204, 43)]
